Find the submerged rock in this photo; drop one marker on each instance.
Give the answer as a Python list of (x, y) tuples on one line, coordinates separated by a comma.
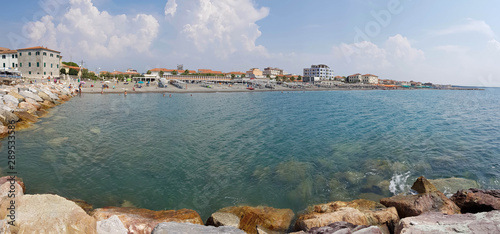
[(435, 222), (247, 218), (48, 214), (87, 207), (453, 184), (357, 212), (143, 220), (23, 115), (477, 200), (429, 199), (171, 227)]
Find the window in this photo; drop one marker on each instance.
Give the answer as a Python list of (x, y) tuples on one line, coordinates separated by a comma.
[(57, 65), (44, 73), (51, 65), (16, 55), (44, 64), (37, 53), (21, 64), (51, 55), (44, 53), (3, 64), (30, 72), (20, 54), (57, 56), (13, 56), (37, 64), (29, 53), (29, 64), (3, 56), (13, 64)]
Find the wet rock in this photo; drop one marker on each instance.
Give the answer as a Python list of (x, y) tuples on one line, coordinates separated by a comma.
[(453, 184), (422, 185), (413, 205), (88, 208), (25, 116), (477, 200), (28, 94), (64, 97), (171, 227), (144, 221), (357, 212), (113, 225), (434, 222), (34, 103), (48, 214), (9, 117), (345, 227), (4, 130), (27, 107), (47, 104), (247, 218)]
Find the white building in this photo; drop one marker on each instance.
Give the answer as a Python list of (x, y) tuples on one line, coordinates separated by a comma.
[(272, 72), (317, 73), (8, 59), (39, 62), (369, 79)]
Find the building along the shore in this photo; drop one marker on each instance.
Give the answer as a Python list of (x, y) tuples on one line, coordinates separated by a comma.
[(317, 73), (39, 62), (8, 59), (272, 72), (369, 79), (255, 73)]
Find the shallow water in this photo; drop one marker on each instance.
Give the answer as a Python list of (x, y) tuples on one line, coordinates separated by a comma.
[(286, 150)]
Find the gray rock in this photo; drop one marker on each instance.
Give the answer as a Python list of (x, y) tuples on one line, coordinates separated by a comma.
[(345, 227), (31, 95), (223, 219), (113, 225), (435, 222), (10, 101), (178, 228), (9, 116)]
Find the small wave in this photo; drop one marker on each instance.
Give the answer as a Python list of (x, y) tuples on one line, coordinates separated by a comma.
[(398, 183)]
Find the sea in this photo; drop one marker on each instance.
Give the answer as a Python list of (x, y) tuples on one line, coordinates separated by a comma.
[(206, 151)]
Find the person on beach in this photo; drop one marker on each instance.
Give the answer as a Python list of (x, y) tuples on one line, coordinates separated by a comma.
[(125, 93), (80, 89)]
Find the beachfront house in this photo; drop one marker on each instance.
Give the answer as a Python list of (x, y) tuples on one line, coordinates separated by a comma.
[(8, 59), (369, 79), (272, 72), (317, 73), (255, 73), (39, 62)]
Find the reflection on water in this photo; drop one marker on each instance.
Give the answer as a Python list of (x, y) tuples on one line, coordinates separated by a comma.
[(208, 151)]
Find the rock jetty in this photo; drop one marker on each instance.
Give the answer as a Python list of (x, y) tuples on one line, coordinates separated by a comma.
[(21, 105)]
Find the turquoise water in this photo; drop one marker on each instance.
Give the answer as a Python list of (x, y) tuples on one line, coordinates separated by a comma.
[(286, 150)]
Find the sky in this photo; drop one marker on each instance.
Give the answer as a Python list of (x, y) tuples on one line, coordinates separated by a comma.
[(443, 42)]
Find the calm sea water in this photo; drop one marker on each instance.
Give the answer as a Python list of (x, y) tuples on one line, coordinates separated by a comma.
[(286, 150)]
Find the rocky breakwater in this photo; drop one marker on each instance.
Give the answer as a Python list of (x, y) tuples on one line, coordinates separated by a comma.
[(23, 104)]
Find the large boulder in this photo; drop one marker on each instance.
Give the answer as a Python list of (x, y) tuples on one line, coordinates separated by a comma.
[(172, 227), (247, 218), (44, 96), (428, 199), (8, 179), (113, 225), (19, 97), (27, 107), (25, 116), (357, 212), (144, 221), (477, 200), (8, 117), (34, 103), (48, 214), (435, 222), (46, 104), (28, 94), (10, 101)]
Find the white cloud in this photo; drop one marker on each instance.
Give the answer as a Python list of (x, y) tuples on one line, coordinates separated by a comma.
[(221, 27), (471, 26), (170, 8), (85, 30), (366, 56), (494, 44)]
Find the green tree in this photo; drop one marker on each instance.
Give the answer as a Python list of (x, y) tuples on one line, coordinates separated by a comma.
[(161, 73), (243, 76), (174, 72), (233, 76), (268, 76), (292, 79), (278, 78), (62, 71), (148, 72), (186, 72), (70, 64), (73, 72), (300, 78)]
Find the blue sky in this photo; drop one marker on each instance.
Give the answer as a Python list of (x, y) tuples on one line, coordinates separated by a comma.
[(448, 42)]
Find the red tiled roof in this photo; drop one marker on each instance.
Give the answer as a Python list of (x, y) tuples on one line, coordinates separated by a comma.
[(369, 75), (39, 48), (7, 51)]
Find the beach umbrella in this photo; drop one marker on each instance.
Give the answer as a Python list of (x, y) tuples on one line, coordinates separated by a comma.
[(107, 81), (141, 82), (82, 82)]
